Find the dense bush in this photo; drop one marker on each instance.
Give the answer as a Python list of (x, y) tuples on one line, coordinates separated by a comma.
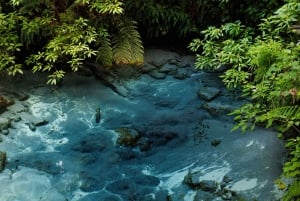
[(55, 36), (265, 64)]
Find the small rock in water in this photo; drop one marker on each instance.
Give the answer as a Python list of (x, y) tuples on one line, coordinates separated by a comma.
[(5, 131), (215, 142), (98, 115), (2, 160), (128, 137)]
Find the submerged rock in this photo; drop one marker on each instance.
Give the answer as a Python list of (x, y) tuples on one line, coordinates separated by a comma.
[(5, 123), (215, 142), (33, 121), (128, 137), (2, 160)]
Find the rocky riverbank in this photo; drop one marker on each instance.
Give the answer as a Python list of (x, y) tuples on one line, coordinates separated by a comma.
[(161, 134)]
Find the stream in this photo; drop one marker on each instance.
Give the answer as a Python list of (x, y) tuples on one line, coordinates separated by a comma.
[(165, 137)]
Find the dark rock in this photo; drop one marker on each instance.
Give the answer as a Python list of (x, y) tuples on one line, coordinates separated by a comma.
[(133, 188), (18, 108), (226, 179), (97, 115), (101, 196), (5, 123), (120, 89), (203, 196), (30, 119), (208, 93), (168, 69), (89, 145), (215, 142), (174, 61), (127, 137), (120, 187), (181, 74), (217, 108), (144, 144), (31, 126), (5, 131), (147, 68), (4, 103), (192, 180), (89, 184), (159, 57), (160, 138), (166, 103), (2, 160), (126, 153), (88, 159), (157, 75), (145, 180)]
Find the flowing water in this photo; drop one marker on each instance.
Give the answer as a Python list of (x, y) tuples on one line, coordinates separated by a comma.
[(74, 158)]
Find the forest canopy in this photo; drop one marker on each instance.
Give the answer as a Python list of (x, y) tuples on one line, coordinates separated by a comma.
[(256, 42)]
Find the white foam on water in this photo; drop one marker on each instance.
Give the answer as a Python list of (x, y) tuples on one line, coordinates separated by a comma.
[(26, 184), (244, 184), (174, 179), (190, 196), (79, 194), (215, 175), (250, 143), (213, 172)]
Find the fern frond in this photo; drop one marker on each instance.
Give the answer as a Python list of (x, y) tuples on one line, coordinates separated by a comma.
[(289, 116), (105, 51), (127, 44), (285, 112)]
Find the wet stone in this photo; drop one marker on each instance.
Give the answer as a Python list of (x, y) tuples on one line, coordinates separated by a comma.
[(146, 180), (158, 75), (192, 180), (2, 160), (169, 69), (128, 137), (89, 145), (208, 93), (215, 142), (5, 123), (147, 68), (89, 184)]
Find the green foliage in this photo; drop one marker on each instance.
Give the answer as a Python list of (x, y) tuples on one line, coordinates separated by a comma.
[(225, 46), (9, 43), (292, 167), (127, 44), (293, 192), (58, 36), (160, 17), (266, 67)]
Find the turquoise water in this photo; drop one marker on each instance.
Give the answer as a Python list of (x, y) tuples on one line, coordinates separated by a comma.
[(74, 158)]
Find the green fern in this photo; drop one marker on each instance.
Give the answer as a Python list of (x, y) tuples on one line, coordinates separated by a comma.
[(105, 51), (127, 44), (289, 116), (292, 166), (293, 192)]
